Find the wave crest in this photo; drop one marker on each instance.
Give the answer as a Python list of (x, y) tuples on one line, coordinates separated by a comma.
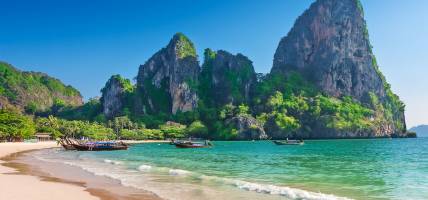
[(144, 168), (288, 192), (178, 172), (113, 162)]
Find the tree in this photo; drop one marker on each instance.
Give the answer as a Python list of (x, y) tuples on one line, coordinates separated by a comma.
[(14, 126), (50, 125), (173, 130), (227, 111), (286, 123), (120, 123), (197, 129), (70, 128), (97, 131), (243, 109)]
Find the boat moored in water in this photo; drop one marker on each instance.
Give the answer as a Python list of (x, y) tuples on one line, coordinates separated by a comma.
[(71, 144), (289, 142), (190, 144), (101, 146)]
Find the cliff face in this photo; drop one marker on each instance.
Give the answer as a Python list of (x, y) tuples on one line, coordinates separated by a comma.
[(167, 80), (248, 128), (329, 46), (114, 95), (227, 78), (34, 91)]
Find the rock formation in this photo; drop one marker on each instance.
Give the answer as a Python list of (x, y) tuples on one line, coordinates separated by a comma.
[(329, 46), (248, 128), (167, 81), (227, 78), (114, 94)]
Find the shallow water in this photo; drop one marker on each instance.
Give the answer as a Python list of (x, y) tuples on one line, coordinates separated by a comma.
[(331, 169)]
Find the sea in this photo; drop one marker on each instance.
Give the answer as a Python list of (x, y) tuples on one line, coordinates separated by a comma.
[(366, 169)]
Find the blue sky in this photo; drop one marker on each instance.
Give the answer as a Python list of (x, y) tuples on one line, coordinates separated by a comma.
[(83, 43)]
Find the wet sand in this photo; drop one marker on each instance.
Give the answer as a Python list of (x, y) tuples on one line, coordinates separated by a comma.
[(24, 177)]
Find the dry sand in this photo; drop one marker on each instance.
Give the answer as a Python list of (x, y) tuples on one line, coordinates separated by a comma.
[(23, 187), (24, 181)]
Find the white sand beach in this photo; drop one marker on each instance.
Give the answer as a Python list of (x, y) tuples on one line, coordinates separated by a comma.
[(24, 187)]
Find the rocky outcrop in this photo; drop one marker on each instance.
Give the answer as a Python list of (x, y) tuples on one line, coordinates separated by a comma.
[(114, 94), (248, 128), (167, 81), (227, 78), (329, 46)]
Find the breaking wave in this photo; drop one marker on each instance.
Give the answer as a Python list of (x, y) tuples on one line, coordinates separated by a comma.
[(144, 168), (131, 178), (113, 162), (178, 172), (287, 192)]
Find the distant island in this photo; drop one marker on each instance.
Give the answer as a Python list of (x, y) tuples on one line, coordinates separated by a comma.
[(421, 130), (324, 83)]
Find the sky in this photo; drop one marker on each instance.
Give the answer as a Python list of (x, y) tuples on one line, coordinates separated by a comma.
[(84, 42)]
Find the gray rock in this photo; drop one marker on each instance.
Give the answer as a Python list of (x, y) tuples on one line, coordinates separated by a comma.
[(248, 128), (329, 46), (113, 95), (167, 80), (231, 78)]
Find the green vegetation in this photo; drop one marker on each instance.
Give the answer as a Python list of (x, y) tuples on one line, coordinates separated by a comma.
[(32, 91), (14, 126), (295, 106), (232, 80), (205, 80), (122, 82), (197, 129), (158, 99), (412, 134), (393, 105), (185, 47), (359, 6), (90, 111)]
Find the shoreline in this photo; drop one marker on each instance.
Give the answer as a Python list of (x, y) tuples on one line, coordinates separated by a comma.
[(26, 178)]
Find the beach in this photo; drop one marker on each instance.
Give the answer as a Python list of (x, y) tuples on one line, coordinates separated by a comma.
[(25, 187), (23, 180)]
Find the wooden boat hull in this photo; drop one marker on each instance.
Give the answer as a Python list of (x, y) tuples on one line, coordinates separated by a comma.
[(68, 147), (178, 145), (99, 148), (288, 143)]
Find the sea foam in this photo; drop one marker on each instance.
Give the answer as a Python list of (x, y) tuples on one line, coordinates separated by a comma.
[(127, 178), (114, 162), (291, 193), (144, 168), (178, 172)]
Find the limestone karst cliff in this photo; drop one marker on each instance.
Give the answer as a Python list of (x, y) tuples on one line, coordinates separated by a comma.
[(167, 79), (329, 47), (324, 83), (227, 78), (115, 95)]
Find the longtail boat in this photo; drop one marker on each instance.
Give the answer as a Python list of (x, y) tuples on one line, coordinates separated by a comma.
[(72, 144), (101, 146), (67, 144), (190, 144), (289, 142)]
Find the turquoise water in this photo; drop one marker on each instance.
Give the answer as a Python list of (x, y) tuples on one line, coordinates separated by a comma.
[(331, 169)]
